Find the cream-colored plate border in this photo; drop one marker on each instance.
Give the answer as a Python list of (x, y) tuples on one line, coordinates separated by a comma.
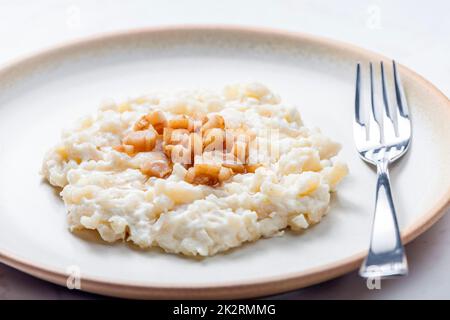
[(265, 286)]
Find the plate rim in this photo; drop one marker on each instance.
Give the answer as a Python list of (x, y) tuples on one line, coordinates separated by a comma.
[(238, 289)]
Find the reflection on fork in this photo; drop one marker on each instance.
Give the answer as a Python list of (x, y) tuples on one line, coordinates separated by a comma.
[(382, 134)]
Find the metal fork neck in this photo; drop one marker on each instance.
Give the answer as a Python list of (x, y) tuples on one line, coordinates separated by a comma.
[(386, 254), (383, 165)]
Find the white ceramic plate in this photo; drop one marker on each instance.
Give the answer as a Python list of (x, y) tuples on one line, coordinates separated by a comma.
[(42, 94)]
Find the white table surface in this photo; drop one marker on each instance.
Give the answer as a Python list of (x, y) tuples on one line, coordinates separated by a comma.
[(415, 33)]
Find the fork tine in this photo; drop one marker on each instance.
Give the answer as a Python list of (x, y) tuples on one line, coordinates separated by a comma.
[(389, 121), (358, 115), (383, 86), (402, 110), (399, 93), (375, 129), (359, 124)]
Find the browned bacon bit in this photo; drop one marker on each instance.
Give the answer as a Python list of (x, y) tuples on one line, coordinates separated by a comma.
[(213, 139), (235, 167), (189, 141), (124, 148), (181, 122), (142, 123), (156, 168), (230, 161), (251, 168), (158, 120), (203, 175), (213, 121), (225, 174), (179, 154), (141, 141)]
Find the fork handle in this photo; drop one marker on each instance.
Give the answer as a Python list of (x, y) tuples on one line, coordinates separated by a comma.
[(386, 255)]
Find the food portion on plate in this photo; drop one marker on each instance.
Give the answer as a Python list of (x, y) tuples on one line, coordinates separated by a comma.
[(195, 172)]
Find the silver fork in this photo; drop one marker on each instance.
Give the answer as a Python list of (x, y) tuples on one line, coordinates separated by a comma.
[(382, 135)]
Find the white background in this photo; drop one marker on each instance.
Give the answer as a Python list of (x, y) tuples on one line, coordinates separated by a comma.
[(415, 33)]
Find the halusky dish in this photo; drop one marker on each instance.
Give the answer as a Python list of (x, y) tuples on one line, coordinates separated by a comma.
[(194, 173)]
